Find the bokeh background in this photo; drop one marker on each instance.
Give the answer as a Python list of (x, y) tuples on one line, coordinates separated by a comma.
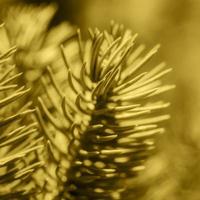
[(176, 26)]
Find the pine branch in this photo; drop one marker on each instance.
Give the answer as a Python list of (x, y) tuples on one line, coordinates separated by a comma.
[(19, 139), (107, 115), (37, 45)]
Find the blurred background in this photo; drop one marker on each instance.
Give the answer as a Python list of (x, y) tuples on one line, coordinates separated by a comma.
[(176, 26)]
